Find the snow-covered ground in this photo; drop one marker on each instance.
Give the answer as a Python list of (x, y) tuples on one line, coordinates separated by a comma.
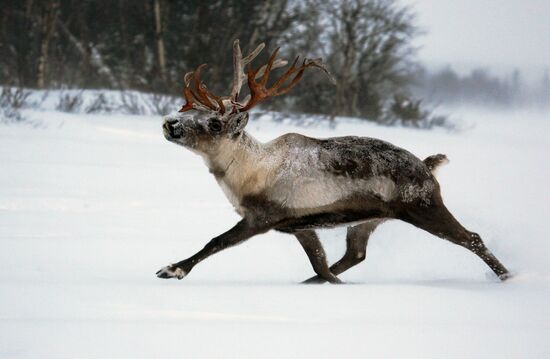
[(91, 206)]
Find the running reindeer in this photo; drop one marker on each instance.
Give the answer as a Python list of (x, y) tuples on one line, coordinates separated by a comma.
[(297, 184)]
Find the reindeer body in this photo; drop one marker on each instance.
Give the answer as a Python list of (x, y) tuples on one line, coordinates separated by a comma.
[(295, 176), (296, 184)]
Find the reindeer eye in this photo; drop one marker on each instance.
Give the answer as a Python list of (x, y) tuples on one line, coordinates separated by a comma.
[(214, 125)]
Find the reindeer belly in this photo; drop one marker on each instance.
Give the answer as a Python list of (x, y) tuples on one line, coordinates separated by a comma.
[(350, 211)]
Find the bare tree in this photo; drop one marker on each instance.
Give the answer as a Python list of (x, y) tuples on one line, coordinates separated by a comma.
[(95, 57), (48, 19), (160, 40), (370, 48)]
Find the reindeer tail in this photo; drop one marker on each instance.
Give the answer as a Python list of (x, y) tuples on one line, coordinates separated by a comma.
[(435, 161)]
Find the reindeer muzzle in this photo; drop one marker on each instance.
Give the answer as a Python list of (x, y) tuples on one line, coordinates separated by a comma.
[(173, 127)]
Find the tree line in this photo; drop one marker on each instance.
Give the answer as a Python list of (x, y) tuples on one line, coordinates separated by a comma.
[(148, 45)]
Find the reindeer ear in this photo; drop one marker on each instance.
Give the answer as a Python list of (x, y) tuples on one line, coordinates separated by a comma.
[(237, 123)]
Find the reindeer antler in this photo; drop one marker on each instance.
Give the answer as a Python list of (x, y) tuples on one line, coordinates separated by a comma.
[(200, 98), (203, 100), (260, 92)]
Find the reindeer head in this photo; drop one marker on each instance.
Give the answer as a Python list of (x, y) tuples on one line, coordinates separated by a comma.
[(203, 131), (206, 119)]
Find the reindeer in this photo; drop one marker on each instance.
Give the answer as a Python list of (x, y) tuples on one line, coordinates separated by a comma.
[(297, 184)]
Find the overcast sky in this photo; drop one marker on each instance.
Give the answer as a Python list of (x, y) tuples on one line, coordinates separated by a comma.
[(498, 34)]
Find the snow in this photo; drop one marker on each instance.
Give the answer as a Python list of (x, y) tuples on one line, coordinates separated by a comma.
[(91, 206)]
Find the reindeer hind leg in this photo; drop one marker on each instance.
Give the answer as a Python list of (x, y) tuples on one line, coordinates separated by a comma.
[(437, 220)]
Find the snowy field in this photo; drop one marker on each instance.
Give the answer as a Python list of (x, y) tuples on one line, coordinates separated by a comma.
[(91, 206)]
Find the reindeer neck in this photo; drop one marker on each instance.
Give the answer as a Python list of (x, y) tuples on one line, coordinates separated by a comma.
[(234, 154)]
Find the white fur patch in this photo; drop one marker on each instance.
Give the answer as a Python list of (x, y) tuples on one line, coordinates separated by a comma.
[(169, 272), (233, 199), (316, 189), (443, 162)]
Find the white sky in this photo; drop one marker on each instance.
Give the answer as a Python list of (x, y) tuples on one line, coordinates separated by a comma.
[(496, 34)]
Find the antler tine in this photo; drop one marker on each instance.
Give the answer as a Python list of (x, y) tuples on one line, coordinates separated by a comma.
[(239, 64), (187, 93), (269, 65), (207, 98), (237, 78), (260, 92), (248, 59), (292, 69), (277, 64), (191, 99), (202, 99), (318, 63)]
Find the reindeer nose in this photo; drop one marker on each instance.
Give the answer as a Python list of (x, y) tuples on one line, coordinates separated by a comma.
[(173, 127)]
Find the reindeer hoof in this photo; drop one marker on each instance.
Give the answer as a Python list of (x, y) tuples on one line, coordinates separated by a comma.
[(171, 272)]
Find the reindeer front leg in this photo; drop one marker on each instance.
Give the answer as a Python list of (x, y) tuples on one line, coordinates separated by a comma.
[(242, 231)]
